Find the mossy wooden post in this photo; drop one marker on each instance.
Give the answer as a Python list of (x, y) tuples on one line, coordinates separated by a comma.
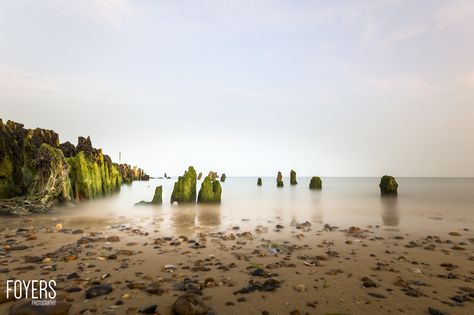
[(210, 191), (184, 190), (158, 197), (259, 181), (200, 176), (315, 183), (293, 178), (223, 177), (279, 179), (388, 185)]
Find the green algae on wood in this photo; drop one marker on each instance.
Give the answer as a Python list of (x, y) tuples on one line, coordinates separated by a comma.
[(184, 190), (388, 185), (293, 178), (315, 183), (259, 181), (158, 196), (279, 179), (210, 191)]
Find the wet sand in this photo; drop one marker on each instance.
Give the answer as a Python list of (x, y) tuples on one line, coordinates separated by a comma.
[(317, 268)]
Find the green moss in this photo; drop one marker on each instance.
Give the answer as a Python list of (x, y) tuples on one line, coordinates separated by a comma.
[(210, 191), (279, 180), (7, 185), (184, 190), (293, 178), (93, 178), (158, 197), (259, 181), (315, 183), (388, 185)]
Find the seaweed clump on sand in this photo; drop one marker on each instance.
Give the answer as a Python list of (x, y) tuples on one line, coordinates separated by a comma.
[(315, 183), (388, 185), (184, 190), (210, 191)]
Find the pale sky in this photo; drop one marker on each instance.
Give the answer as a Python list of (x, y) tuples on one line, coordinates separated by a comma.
[(330, 88)]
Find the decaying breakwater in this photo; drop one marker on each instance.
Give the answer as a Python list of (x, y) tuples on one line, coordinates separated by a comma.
[(37, 172)]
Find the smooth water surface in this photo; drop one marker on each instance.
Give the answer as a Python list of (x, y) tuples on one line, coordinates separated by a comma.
[(426, 205)]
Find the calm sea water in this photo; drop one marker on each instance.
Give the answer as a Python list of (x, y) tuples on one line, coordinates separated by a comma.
[(425, 205)]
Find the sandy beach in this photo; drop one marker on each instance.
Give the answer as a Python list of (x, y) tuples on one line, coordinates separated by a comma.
[(299, 268)]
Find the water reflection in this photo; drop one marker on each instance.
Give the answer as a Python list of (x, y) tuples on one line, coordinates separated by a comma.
[(316, 211), (209, 215), (390, 216), (183, 219)]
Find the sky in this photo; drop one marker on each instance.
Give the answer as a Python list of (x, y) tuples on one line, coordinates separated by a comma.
[(328, 88)]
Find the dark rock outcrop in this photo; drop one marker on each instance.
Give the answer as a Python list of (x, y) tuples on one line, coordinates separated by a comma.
[(259, 181), (37, 172), (184, 190), (293, 178), (223, 177), (315, 183), (279, 179), (210, 191), (388, 185)]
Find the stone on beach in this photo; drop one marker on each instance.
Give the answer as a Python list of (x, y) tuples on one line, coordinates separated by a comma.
[(259, 181), (23, 307), (388, 185), (98, 290), (190, 304), (223, 177)]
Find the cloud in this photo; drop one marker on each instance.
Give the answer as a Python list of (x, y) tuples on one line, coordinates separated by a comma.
[(16, 82), (109, 14), (467, 79)]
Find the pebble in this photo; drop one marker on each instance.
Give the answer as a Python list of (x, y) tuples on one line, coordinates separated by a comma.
[(23, 307), (98, 290), (190, 304)]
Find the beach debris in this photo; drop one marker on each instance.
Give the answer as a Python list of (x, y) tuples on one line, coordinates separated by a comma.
[(259, 181), (223, 177)]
